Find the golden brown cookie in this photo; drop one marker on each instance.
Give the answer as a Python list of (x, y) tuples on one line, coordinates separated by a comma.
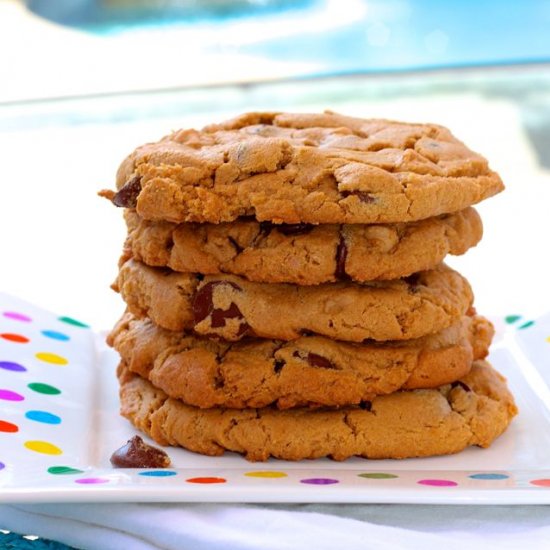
[(230, 307), (302, 254), (309, 371), (304, 168), (415, 423)]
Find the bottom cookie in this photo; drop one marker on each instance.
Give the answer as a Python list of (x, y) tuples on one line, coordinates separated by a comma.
[(416, 423)]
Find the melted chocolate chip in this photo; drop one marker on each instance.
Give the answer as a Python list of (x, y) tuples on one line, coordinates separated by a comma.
[(341, 256), (138, 454), (365, 405), (238, 248), (462, 385), (127, 195), (219, 316), (413, 281), (319, 361), (286, 228), (362, 195), (203, 305), (278, 367)]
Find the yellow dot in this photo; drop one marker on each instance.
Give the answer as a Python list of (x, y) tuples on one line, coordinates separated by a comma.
[(548, 339), (43, 447), (265, 474), (51, 358)]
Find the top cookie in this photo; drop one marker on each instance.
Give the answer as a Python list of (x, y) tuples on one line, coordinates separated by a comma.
[(304, 168)]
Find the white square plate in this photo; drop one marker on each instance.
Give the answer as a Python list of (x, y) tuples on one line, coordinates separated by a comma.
[(56, 437)]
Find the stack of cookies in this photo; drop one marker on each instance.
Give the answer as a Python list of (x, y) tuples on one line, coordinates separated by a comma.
[(286, 294)]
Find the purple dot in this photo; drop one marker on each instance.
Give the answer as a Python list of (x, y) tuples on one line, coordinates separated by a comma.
[(8, 395), (91, 480), (438, 482), (2, 465), (17, 316), (10, 365), (319, 481)]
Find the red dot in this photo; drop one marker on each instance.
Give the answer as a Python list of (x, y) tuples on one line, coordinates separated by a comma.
[(8, 427), (206, 480), (541, 482), (14, 337)]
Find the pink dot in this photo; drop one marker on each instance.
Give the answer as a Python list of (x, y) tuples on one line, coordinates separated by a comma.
[(319, 481), (91, 480), (540, 482), (17, 316), (8, 395), (438, 482)]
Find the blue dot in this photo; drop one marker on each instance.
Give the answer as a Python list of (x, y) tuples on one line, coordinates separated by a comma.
[(158, 473), (489, 476), (43, 416), (55, 335)]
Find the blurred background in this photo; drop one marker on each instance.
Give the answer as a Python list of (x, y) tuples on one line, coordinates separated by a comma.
[(83, 82)]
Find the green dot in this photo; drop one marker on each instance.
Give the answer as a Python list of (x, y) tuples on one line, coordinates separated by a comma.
[(43, 388), (64, 470), (74, 322), (512, 318), (527, 324), (378, 475)]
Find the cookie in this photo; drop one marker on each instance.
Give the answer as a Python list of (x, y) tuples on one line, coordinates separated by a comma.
[(309, 371), (230, 307), (415, 423), (304, 168), (302, 254)]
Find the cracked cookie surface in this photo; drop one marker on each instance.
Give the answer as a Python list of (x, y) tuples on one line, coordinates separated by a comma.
[(415, 423), (309, 371), (302, 254), (304, 168), (231, 308)]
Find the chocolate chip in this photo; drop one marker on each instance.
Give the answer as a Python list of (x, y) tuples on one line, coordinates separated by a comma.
[(138, 454), (413, 281), (278, 367), (286, 228), (462, 385), (341, 256), (126, 196), (238, 248), (202, 301), (294, 229), (362, 195), (203, 306), (365, 405), (319, 361), (219, 316)]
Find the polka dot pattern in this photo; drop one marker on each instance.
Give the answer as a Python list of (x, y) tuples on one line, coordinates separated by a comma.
[(43, 417), (54, 335), (51, 358), (319, 481), (438, 482), (12, 366), (15, 316), (206, 480), (63, 470), (43, 447), (16, 338)]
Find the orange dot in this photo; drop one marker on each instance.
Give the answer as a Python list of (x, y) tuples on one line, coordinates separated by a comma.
[(14, 337), (541, 482), (206, 480), (8, 427)]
